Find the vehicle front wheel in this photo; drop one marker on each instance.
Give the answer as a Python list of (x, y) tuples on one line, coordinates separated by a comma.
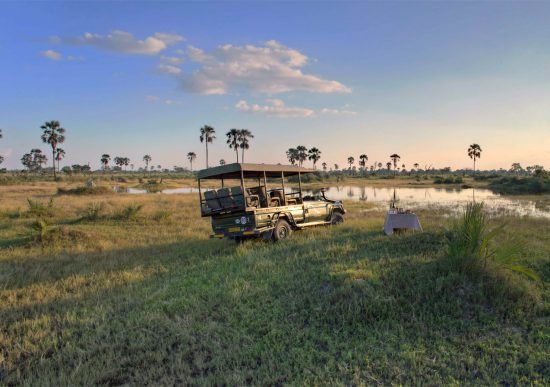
[(336, 219), (282, 230)]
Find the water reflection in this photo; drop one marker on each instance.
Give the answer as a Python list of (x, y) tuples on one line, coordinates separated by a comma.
[(453, 199)]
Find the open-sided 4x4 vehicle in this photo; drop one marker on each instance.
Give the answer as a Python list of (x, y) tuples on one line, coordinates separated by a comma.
[(245, 207)]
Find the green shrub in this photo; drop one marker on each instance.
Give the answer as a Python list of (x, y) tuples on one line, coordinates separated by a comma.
[(92, 211), (39, 230), (471, 246), (161, 215), (40, 209), (448, 180), (526, 185), (129, 212)]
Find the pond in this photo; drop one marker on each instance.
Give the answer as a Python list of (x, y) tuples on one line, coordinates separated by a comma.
[(453, 199)]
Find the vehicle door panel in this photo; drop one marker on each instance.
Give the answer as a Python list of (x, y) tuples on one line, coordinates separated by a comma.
[(316, 211)]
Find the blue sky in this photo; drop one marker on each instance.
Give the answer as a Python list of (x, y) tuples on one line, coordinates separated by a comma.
[(421, 79)]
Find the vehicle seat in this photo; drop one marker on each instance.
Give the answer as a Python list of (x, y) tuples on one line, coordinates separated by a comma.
[(276, 198), (239, 197), (224, 196), (212, 200), (259, 194)]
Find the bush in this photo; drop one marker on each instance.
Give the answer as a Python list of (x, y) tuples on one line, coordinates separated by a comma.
[(161, 215), (39, 209), (99, 190), (93, 211), (471, 247), (516, 186), (129, 212), (448, 180)]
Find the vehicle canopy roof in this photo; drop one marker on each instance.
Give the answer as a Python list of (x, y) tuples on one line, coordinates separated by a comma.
[(233, 171)]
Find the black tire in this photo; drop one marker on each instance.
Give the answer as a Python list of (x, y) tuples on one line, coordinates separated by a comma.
[(282, 230), (336, 219)]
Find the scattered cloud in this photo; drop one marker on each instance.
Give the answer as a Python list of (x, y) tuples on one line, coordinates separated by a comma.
[(169, 69), (125, 42), (270, 68), (154, 98), (74, 58), (171, 59), (51, 54), (337, 112), (277, 108), (274, 108)]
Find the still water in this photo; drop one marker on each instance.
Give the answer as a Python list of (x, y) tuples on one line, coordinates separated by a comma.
[(443, 198), (448, 199)]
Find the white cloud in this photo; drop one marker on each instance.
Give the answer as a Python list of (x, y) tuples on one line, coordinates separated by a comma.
[(171, 59), (271, 68), (75, 58), (51, 54), (168, 101), (125, 42), (169, 69), (277, 108), (337, 112), (274, 108)]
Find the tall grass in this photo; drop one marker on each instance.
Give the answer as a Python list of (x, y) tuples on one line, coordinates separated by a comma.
[(39, 209), (472, 246)]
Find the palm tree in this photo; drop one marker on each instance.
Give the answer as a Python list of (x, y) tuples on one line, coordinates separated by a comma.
[(222, 162), (207, 136), (324, 166), (363, 160), (336, 167), (105, 158), (119, 161), (416, 165), (314, 155), (147, 160), (292, 155), (379, 165), (388, 165), (53, 134), (351, 160), (59, 155), (191, 156), (474, 151), (395, 158), (233, 141), (244, 136), (302, 154)]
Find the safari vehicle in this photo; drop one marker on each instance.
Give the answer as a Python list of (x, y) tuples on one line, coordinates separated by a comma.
[(245, 207)]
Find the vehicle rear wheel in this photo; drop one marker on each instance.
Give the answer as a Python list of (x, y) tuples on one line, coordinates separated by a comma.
[(336, 219), (282, 230)]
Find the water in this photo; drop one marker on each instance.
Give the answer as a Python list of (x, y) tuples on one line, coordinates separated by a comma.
[(167, 191), (449, 199), (439, 198)]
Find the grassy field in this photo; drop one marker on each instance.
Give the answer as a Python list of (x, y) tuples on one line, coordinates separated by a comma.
[(117, 289)]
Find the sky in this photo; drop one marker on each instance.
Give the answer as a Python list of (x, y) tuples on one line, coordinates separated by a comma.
[(423, 80)]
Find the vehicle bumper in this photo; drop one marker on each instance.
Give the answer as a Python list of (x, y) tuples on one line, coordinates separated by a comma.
[(247, 233)]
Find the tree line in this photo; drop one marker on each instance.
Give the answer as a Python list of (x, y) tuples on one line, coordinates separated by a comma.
[(238, 140)]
